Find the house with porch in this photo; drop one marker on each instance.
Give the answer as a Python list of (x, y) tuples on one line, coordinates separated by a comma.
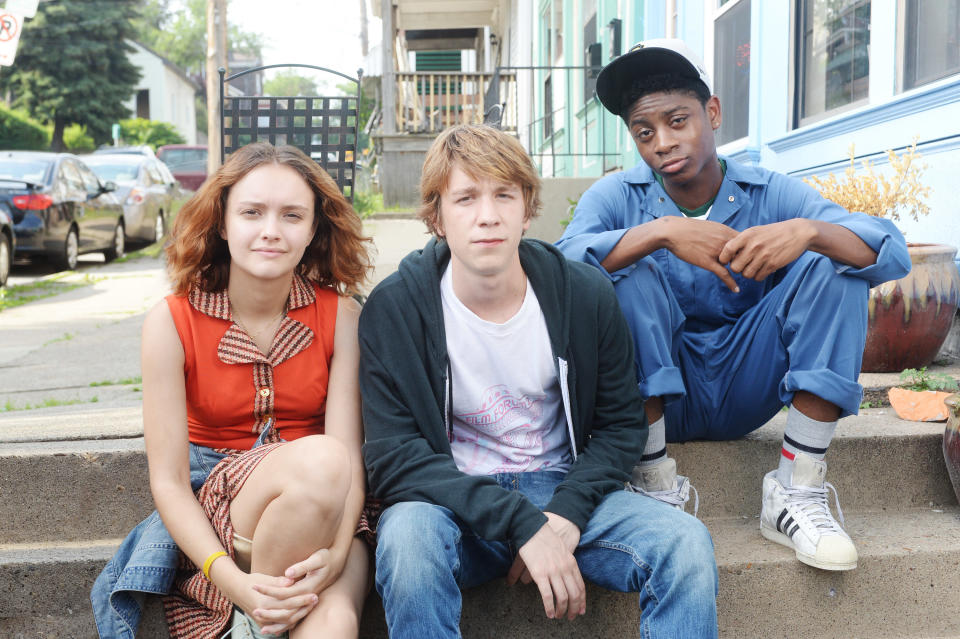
[(799, 83)]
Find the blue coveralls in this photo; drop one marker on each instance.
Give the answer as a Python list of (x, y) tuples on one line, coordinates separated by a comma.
[(726, 362)]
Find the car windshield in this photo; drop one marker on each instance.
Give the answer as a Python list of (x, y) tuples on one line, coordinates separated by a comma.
[(183, 160), (115, 172), (23, 169)]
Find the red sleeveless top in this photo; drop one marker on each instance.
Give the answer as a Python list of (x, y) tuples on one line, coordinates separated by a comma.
[(233, 389)]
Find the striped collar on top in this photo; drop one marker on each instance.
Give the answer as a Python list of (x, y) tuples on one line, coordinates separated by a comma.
[(236, 347), (217, 304)]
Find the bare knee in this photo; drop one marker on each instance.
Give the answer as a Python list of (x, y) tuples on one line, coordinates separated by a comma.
[(318, 469), (333, 617)]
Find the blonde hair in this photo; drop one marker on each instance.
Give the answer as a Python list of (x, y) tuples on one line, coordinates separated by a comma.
[(480, 151)]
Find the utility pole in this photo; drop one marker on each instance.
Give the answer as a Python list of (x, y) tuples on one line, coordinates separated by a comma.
[(364, 44), (216, 58)]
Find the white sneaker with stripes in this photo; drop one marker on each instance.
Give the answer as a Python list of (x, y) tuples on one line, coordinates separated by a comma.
[(798, 516), (661, 482)]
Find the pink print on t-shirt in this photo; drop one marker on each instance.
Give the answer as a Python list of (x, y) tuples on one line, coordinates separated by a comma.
[(505, 434)]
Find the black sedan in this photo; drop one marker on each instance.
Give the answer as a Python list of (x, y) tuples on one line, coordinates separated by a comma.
[(6, 243), (146, 189), (60, 208)]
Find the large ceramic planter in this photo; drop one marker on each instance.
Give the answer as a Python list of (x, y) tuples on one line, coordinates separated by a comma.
[(909, 318), (951, 442)]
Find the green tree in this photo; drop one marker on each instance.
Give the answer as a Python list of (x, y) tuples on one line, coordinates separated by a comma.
[(367, 103), (181, 37), (290, 83), (76, 140), (155, 133), (72, 65)]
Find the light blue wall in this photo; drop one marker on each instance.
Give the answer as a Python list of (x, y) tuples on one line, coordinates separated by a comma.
[(930, 114)]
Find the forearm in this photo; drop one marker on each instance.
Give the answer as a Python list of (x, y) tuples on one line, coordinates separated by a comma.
[(838, 243), (638, 242), (187, 523)]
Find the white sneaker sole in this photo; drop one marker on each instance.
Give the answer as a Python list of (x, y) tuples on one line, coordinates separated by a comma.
[(775, 535)]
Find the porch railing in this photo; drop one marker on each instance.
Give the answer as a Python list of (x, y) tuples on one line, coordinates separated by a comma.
[(430, 101), (560, 121)]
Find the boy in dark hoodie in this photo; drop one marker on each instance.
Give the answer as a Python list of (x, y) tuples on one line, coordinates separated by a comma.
[(503, 417)]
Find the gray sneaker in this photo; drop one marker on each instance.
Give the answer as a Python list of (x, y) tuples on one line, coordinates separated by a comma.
[(243, 627), (661, 482)]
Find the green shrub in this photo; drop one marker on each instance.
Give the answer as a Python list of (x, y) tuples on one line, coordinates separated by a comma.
[(20, 132), (76, 140), (152, 132), (366, 203)]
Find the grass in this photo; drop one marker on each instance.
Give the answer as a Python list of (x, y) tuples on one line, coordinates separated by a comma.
[(66, 337), (9, 406), (13, 296), (368, 203), (152, 251), (119, 382)]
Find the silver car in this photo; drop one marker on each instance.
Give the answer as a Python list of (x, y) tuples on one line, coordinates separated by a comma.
[(145, 187)]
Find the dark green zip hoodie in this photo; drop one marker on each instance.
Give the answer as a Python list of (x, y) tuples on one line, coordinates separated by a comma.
[(404, 380)]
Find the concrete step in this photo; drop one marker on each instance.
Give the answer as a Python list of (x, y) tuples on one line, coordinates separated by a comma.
[(77, 490), (72, 491), (905, 586), (873, 456)]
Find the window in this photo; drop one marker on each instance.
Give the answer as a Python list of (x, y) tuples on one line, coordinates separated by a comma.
[(90, 181), (557, 29), (592, 50), (143, 104), (72, 183), (731, 54), (833, 58), (547, 107), (931, 41)]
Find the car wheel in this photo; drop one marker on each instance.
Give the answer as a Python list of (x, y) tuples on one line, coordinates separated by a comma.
[(118, 246), (6, 258), (67, 260), (159, 228)]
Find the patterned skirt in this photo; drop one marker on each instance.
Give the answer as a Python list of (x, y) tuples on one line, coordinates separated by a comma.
[(195, 608)]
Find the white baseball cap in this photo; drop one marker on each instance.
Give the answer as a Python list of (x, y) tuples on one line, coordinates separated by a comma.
[(649, 57)]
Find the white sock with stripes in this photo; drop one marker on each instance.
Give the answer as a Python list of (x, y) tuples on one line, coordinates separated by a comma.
[(656, 449), (802, 435)]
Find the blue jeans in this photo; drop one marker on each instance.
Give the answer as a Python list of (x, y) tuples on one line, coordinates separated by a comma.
[(632, 543), (806, 333), (146, 561)]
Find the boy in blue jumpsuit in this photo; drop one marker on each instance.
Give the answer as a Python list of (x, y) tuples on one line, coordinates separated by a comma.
[(744, 289)]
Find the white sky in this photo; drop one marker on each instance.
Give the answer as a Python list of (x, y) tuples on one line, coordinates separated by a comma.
[(325, 33)]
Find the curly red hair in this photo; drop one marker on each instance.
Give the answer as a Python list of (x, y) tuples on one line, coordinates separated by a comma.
[(338, 255)]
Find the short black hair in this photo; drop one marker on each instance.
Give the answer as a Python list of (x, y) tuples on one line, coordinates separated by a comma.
[(662, 83)]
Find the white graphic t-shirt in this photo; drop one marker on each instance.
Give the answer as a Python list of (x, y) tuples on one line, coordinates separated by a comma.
[(507, 408)]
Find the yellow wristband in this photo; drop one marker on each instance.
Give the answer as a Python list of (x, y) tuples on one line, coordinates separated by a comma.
[(209, 562)]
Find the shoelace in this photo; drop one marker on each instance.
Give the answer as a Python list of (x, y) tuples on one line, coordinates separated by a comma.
[(678, 496), (813, 503)]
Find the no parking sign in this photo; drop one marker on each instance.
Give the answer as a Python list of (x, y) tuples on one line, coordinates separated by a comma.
[(10, 26)]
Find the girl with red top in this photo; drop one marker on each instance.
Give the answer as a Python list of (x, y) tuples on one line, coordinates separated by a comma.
[(250, 368)]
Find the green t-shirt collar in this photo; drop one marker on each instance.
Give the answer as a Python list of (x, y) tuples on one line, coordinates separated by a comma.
[(700, 210)]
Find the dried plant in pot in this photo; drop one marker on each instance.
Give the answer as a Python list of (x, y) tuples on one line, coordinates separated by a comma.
[(909, 318)]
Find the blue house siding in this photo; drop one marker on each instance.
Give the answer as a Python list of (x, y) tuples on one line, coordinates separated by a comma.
[(887, 118)]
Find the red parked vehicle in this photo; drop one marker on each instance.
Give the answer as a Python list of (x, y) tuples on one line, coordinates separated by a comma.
[(188, 163)]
